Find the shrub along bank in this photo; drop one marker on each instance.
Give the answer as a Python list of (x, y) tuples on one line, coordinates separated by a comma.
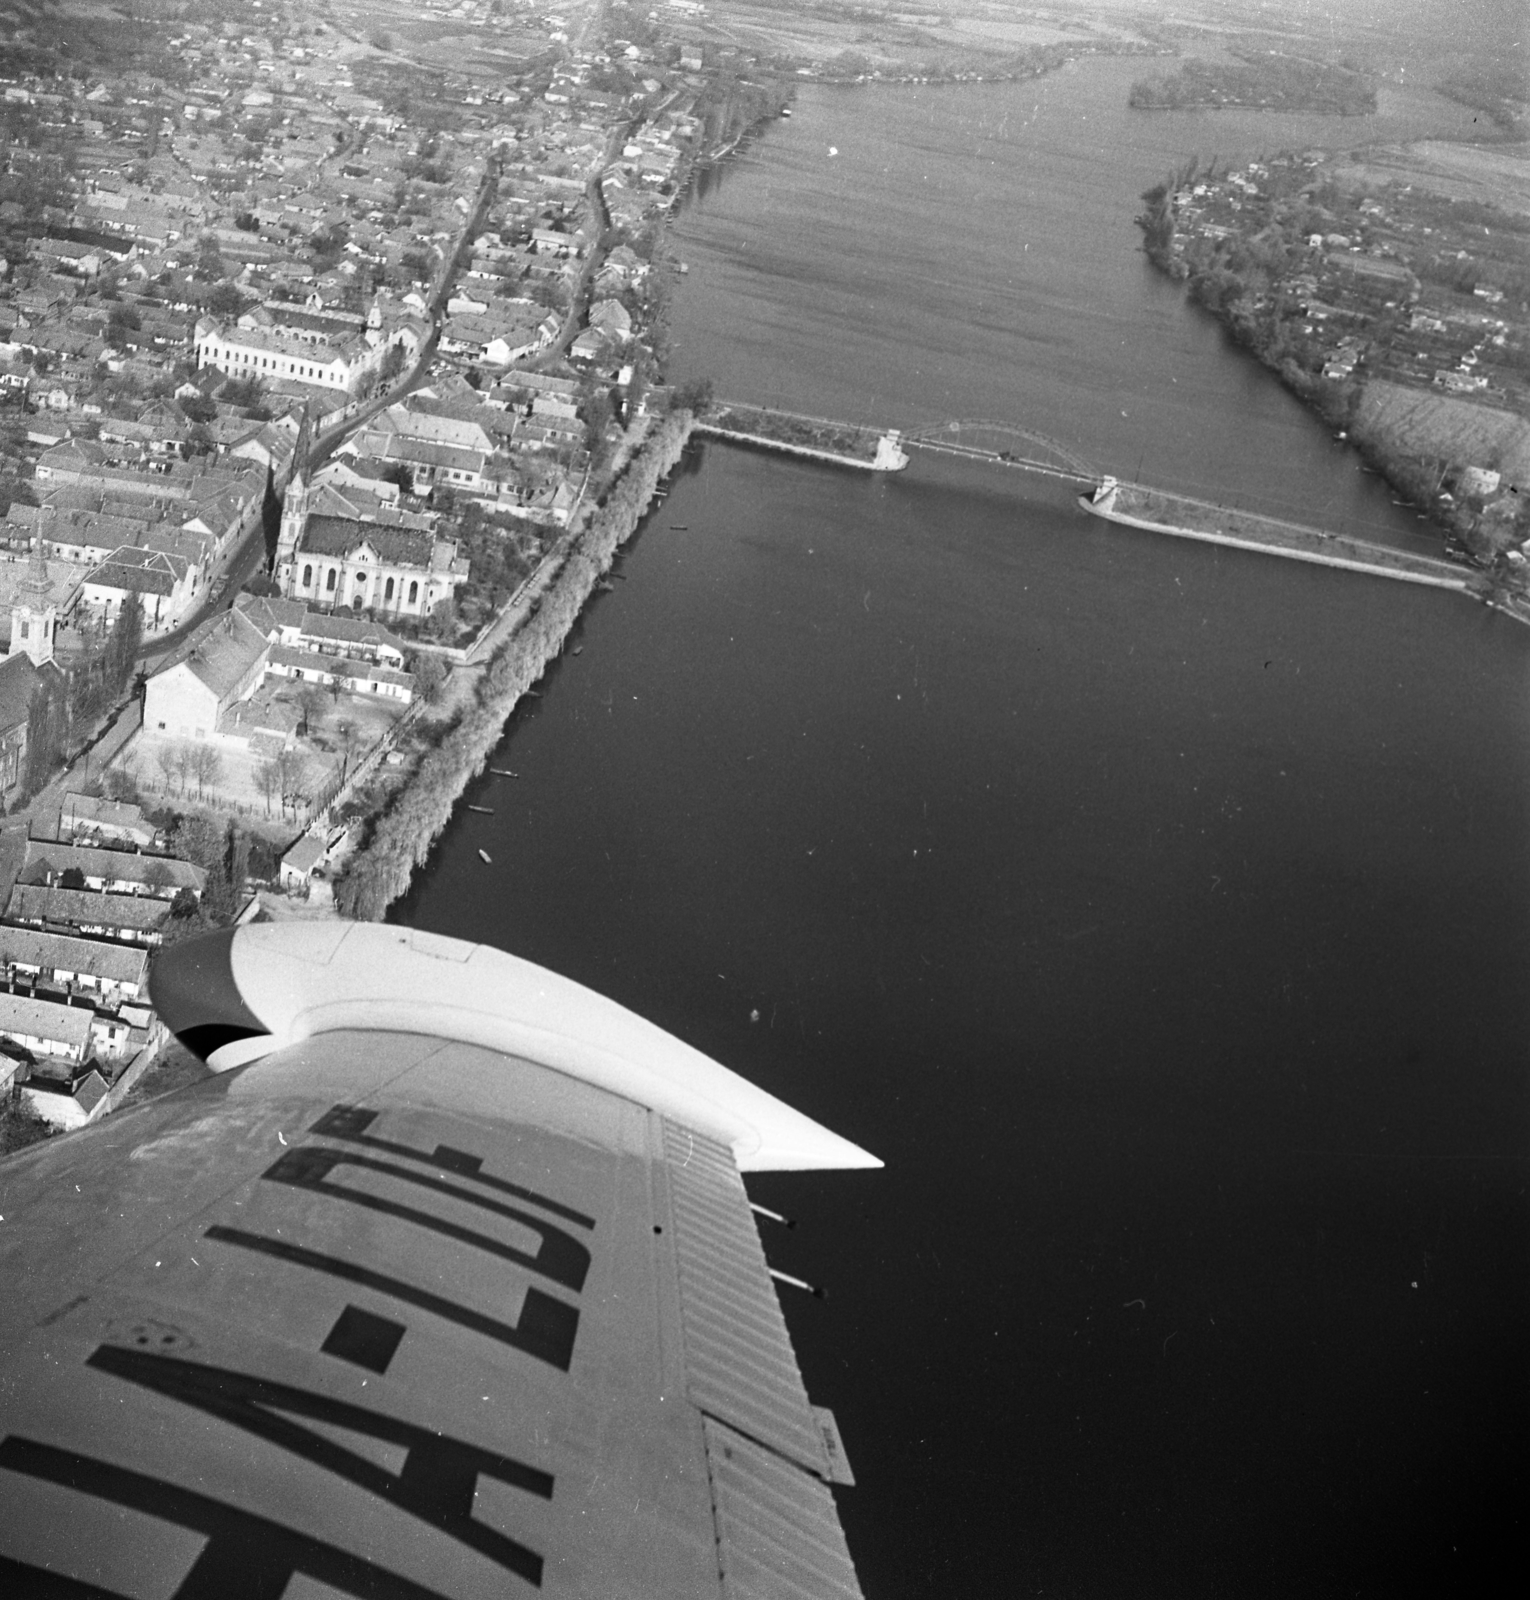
[(402, 837)]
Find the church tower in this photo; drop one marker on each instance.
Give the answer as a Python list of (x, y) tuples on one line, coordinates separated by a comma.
[(294, 516), (294, 508), (33, 613)]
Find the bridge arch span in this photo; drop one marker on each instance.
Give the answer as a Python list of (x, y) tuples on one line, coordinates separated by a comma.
[(987, 436)]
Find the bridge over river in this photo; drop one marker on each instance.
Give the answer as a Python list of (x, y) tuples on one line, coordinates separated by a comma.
[(1006, 444)]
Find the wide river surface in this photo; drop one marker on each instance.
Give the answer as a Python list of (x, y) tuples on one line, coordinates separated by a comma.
[(1158, 913)]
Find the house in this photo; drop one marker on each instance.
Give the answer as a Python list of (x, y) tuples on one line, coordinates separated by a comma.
[(46, 1028), (114, 821), (590, 345), (110, 871), (131, 918), (340, 672), (220, 664), (163, 583), (67, 1103), (372, 477), (428, 427), (115, 974), (351, 636), (271, 447), (612, 317), (352, 642), (298, 865), (431, 464)]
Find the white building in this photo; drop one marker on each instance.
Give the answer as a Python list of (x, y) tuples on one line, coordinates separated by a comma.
[(221, 664)]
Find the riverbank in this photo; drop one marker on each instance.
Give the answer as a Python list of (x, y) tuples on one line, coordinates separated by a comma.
[(402, 837), (1137, 506)]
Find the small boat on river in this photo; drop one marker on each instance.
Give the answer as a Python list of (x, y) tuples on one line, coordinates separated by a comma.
[(486, 858), (503, 772), (483, 811), (679, 527)]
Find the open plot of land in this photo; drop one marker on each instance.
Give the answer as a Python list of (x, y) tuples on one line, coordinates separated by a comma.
[(1492, 174), (1428, 424), (236, 789)]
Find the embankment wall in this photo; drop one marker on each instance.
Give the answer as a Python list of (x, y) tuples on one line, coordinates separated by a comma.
[(1434, 580), (765, 442)]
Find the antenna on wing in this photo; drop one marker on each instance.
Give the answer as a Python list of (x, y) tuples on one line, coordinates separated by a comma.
[(797, 1283), (775, 1216)]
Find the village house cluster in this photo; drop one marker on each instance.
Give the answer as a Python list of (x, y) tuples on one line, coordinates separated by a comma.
[(1388, 285), (88, 892), (241, 229)]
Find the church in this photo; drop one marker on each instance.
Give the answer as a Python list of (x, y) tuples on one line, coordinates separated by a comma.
[(388, 568), (34, 624)]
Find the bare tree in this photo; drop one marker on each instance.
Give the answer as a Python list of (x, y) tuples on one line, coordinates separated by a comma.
[(185, 764), (164, 759), (268, 779), (292, 769), (207, 765), (310, 703)]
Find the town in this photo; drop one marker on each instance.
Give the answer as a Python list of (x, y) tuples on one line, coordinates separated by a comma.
[(322, 333)]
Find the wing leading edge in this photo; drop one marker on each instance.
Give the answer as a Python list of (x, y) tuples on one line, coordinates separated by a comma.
[(391, 1313)]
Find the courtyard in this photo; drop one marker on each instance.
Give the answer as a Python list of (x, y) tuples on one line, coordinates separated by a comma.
[(277, 754)]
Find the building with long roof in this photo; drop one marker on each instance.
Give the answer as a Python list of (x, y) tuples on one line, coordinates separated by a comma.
[(220, 664)]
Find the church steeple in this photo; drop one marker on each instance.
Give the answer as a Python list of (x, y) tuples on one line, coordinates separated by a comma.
[(295, 505), (33, 613)]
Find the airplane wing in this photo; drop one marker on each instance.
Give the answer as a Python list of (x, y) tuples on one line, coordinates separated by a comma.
[(447, 1285)]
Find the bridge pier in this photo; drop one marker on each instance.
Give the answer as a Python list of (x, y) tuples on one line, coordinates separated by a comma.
[(890, 456)]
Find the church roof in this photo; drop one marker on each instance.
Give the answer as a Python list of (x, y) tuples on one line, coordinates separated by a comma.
[(339, 536)]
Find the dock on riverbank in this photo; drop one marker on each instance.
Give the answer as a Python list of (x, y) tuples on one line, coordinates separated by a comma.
[(1134, 505)]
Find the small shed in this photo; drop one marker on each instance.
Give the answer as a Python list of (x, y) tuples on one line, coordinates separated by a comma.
[(298, 864)]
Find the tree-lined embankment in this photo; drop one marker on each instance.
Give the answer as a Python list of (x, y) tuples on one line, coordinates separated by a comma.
[(402, 837)]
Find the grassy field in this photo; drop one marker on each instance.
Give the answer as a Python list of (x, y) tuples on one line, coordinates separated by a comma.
[(1492, 174)]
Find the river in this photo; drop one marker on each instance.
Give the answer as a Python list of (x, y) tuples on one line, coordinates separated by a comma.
[(1157, 912)]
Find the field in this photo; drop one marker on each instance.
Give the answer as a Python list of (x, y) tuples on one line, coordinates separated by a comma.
[(1492, 174), (943, 35), (1437, 426)]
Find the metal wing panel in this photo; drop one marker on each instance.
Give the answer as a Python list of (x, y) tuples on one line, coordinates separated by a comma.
[(739, 1362), (778, 1531)]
